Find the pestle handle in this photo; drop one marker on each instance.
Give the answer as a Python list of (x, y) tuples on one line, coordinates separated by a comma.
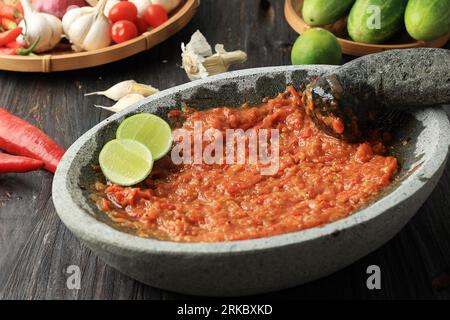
[(401, 79)]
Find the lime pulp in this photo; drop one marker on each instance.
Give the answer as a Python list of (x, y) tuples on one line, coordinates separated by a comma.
[(125, 162), (150, 130)]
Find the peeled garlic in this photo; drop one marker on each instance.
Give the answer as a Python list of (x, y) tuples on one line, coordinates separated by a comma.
[(199, 62), (124, 102), (124, 88)]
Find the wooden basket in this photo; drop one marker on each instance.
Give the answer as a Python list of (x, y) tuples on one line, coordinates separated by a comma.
[(70, 60), (292, 12)]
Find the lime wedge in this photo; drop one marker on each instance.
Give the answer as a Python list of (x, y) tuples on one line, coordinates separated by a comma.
[(148, 129), (125, 162)]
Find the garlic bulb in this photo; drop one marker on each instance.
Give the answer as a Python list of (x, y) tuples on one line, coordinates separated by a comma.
[(168, 5), (121, 89), (108, 7), (72, 15), (199, 62), (36, 25), (124, 102), (87, 28), (141, 6)]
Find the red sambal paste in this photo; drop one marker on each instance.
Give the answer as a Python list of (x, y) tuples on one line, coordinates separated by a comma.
[(320, 180)]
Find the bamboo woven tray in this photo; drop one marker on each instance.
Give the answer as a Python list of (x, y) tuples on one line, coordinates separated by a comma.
[(292, 12), (63, 58)]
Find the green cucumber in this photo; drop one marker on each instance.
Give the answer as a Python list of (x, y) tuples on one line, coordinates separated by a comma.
[(427, 19), (322, 12), (364, 26)]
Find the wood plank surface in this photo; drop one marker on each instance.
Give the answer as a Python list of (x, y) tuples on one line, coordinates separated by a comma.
[(36, 249)]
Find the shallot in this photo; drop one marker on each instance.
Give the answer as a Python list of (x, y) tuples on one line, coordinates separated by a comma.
[(56, 7)]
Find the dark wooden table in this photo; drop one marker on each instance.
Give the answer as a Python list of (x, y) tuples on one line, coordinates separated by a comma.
[(36, 249)]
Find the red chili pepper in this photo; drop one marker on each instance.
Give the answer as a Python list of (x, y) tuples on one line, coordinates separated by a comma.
[(14, 45), (8, 24), (13, 164), (174, 113), (9, 12), (9, 36), (13, 49), (21, 138)]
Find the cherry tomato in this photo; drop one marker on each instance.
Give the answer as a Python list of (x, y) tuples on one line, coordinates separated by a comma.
[(123, 10), (155, 15), (123, 30), (141, 24)]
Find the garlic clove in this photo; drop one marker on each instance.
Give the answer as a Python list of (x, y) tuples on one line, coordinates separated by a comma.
[(143, 89), (124, 102), (121, 89), (72, 15), (80, 27), (99, 35), (116, 92), (57, 29)]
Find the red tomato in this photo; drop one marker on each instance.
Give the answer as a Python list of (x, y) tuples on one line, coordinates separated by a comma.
[(123, 10), (155, 15), (123, 30), (141, 24)]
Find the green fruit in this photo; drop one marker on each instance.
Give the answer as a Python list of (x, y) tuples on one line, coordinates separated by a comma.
[(148, 129), (125, 162), (364, 25), (427, 19), (316, 46), (322, 12)]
